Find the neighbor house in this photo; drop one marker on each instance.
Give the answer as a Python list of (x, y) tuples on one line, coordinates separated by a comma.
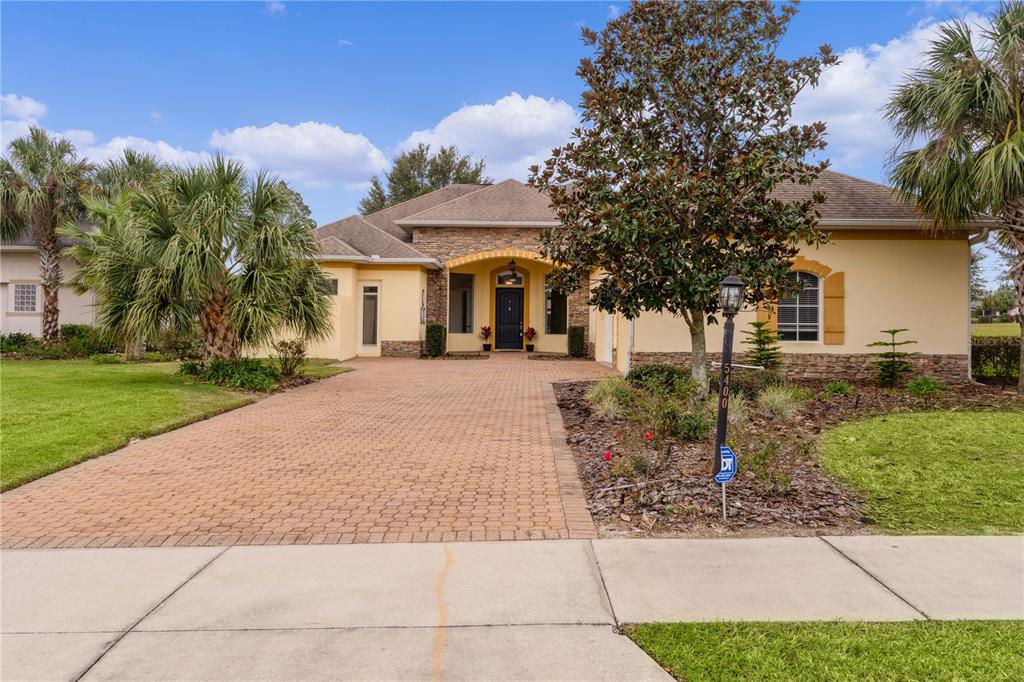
[(21, 296), (468, 256)]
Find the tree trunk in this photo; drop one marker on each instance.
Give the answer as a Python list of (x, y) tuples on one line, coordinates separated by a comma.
[(50, 278), (1014, 217), (220, 341), (698, 348), (133, 349)]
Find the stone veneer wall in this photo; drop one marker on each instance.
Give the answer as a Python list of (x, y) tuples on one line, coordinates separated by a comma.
[(401, 349), (949, 368), (445, 243)]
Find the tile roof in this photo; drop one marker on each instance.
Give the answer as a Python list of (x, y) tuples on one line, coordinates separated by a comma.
[(365, 238), (508, 201), (385, 219)]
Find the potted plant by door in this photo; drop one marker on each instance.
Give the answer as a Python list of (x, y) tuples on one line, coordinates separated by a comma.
[(485, 334), (529, 334)]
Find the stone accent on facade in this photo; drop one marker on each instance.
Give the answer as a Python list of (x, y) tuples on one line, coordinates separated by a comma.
[(437, 297), (445, 243), (401, 349), (949, 368), (578, 314)]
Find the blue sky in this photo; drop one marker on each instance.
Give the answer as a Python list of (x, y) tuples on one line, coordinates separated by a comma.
[(326, 93)]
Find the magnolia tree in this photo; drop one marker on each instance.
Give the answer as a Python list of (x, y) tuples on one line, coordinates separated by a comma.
[(667, 186)]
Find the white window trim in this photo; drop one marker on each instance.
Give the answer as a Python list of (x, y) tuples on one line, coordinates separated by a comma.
[(821, 314), (12, 287)]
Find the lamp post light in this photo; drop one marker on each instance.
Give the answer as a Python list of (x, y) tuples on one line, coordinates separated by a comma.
[(730, 299)]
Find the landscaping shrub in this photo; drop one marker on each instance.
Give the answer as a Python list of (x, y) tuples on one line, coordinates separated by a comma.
[(179, 344), (658, 377), (437, 340), (749, 382), (291, 354), (781, 400), (765, 463), (694, 425), (837, 388), (892, 363), (577, 342), (765, 350), (83, 340), (248, 374), (611, 396), (107, 358), (16, 342), (995, 358), (925, 387), (153, 356)]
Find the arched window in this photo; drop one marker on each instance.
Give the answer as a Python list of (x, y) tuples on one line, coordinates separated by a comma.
[(800, 314)]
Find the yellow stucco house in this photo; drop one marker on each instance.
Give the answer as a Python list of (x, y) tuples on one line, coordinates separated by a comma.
[(467, 256)]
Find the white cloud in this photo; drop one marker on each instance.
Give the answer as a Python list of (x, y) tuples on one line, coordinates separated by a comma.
[(311, 153), (156, 115), (511, 134), (342, 42), (162, 150), (851, 96), (614, 11), (21, 108), (273, 7)]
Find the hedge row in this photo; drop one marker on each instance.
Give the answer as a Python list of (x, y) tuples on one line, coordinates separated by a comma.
[(995, 358)]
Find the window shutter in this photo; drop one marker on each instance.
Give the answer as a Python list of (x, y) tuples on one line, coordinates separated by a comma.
[(764, 314), (834, 295)]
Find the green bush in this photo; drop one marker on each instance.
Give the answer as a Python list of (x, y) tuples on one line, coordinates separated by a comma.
[(694, 425), (153, 356), (611, 396), (437, 340), (17, 342), (995, 358), (577, 342), (765, 463), (749, 382), (107, 358), (781, 400), (83, 340), (837, 388), (291, 355), (658, 377), (925, 387), (248, 374), (179, 344)]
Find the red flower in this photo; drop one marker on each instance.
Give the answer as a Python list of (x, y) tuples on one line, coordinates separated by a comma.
[(648, 436), (607, 455), (618, 435)]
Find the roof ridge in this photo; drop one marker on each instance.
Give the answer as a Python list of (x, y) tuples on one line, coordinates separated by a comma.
[(427, 194), (462, 196), (854, 177)]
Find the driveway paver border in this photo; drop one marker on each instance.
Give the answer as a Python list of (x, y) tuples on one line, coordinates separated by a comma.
[(574, 502)]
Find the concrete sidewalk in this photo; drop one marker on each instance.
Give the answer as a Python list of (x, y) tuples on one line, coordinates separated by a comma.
[(502, 610)]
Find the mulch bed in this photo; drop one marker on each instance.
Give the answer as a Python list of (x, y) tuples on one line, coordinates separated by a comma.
[(690, 503)]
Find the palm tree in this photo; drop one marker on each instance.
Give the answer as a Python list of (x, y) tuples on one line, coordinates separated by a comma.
[(131, 171), (206, 246), (41, 187), (967, 106)]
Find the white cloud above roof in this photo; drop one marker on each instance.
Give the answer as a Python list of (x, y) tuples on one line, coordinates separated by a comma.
[(510, 134), (21, 108), (310, 153)]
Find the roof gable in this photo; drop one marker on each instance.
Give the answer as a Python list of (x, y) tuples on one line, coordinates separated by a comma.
[(506, 202), (385, 219), (355, 233)]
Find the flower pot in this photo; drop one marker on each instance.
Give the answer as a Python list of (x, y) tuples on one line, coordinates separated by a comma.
[(529, 348), (487, 347)]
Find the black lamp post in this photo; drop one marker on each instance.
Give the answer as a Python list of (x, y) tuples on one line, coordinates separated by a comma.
[(730, 299)]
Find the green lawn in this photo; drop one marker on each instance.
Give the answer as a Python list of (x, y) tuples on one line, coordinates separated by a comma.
[(988, 651), (934, 472), (995, 329), (56, 413)]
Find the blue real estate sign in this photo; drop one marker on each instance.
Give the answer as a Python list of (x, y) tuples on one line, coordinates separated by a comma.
[(728, 468)]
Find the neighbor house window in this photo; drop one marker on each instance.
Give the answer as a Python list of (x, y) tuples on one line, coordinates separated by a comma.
[(370, 294), (800, 314), (24, 298), (555, 312), (460, 304)]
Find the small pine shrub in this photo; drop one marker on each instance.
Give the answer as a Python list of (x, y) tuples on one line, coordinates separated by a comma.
[(765, 349), (925, 387), (291, 355), (611, 396), (577, 342), (837, 388), (892, 364), (437, 340), (781, 400)]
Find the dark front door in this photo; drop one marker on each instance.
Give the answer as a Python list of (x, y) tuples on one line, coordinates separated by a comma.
[(508, 318)]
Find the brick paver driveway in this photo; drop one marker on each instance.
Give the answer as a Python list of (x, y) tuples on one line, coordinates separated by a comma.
[(398, 450)]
